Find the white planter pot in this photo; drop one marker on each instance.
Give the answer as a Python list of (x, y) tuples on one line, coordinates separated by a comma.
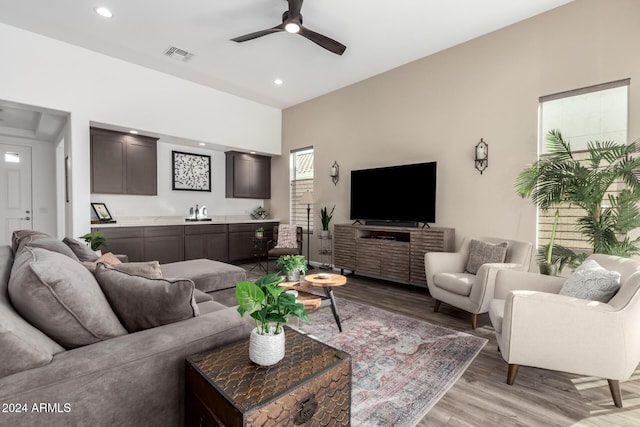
[(293, 276), (324, 233), (266, 350)]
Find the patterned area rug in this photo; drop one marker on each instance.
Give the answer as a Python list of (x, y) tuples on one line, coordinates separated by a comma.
[(401, 366)]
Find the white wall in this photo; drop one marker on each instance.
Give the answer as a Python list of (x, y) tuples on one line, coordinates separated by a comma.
[(170, 202), (45, 72)]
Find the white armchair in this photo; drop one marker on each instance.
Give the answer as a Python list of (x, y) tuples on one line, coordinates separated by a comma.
[(448, 281), (535, 326)]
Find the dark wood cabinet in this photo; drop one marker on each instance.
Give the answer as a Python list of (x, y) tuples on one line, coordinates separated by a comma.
[(164, 244), (248, 175), (241, 244), (124, 240), (123, 163), (206, 241), (172, 243)]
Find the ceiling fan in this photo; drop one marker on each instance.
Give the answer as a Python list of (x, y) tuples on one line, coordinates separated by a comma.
[(292, 23)]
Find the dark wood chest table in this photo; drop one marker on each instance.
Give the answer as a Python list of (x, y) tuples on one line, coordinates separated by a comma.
[(311, 386)]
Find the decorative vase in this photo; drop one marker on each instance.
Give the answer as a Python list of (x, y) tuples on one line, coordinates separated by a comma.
[(324, 233), (548, 269), (266, 350), (293, 276)]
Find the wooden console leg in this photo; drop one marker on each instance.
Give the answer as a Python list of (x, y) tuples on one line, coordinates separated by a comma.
[(474, 320), (512, 373), (436, 306), (614, 386)]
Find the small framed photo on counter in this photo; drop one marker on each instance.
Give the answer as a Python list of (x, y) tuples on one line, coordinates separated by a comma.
[(102, 212)]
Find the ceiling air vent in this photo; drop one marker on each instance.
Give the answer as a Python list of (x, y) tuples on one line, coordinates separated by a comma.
[(177, 53)]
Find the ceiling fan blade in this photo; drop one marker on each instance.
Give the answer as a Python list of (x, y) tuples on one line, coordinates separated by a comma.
[(257, 34), (323, 41), (294, 10)]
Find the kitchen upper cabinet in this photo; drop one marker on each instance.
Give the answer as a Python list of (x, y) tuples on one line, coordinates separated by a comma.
[(123, 163), (248, 176)]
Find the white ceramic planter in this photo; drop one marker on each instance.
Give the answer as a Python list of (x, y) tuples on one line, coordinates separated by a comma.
[(266, 350), (294, 276), (324, 233)]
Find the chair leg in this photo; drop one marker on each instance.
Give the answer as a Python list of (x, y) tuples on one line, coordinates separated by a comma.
[(512, 373), (436, 306), (474, 320), (614, 387)]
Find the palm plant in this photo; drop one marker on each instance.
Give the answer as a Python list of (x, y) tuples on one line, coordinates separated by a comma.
[(560, 178)]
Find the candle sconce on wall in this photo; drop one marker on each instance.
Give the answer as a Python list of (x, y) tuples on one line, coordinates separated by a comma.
[(482, 156), (335, 173)]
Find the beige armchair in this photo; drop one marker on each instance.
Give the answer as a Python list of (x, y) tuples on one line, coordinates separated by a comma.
[(535, 326), (449, 282)]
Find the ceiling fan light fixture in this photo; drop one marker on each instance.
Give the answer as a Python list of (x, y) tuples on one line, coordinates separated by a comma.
[(292, 27)]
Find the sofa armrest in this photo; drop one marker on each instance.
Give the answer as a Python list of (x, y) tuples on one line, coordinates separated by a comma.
[(122, 257), (483, 289), (135, 379), (443, 262), (511, 280), (564, 333)]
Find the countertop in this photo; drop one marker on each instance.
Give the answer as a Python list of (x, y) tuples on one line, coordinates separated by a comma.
[(147, 221)]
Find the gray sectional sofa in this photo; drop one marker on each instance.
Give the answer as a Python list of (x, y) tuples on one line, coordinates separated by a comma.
[(71, 355)]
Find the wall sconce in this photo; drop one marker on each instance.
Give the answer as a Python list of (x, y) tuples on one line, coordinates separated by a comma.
[(335, 173), (482, 155)]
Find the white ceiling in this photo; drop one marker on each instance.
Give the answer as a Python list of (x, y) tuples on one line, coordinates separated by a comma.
[(379, 35)]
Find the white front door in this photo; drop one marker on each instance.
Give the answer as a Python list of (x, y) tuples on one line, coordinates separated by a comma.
[(15, 190)]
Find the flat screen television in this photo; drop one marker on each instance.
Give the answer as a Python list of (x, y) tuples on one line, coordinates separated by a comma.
[(395, 194)]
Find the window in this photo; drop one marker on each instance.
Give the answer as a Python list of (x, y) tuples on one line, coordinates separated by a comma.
[(596, 113), (301, 167)]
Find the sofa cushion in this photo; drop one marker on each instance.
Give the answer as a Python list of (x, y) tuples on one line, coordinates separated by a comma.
[(19, 235), (457, 283), (481, 252), (591, 281), (82, 251), (61, 298), (201, 296), (143, 303), (21, 345), (41, 240), (149, 269), (207, 275)]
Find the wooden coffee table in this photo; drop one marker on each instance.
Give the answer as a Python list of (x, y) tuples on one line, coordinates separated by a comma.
[(327, 285), (311, 301)]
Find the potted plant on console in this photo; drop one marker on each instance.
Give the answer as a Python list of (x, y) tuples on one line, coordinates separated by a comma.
[(95, 239), (270, 306), (292, 266), (259, 233), (326, 219)]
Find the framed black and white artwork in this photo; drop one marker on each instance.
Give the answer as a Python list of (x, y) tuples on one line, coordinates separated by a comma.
[(191, 172)]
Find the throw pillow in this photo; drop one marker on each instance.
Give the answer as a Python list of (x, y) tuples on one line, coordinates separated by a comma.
[(287, 236), (108, 258), (41, 240), (143, 303), (481, 252), (150, 269), (591, 281), (61, 298), (19, 235), (82, 251)]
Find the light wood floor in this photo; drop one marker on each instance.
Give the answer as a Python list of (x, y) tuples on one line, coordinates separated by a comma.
[(481, 396)]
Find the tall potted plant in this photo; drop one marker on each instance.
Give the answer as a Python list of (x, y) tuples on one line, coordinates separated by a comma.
[(326, 219), (270, 306), (292, 266), (608, 217)]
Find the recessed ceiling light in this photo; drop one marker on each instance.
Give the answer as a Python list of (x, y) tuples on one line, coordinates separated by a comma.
[(252, 152), (202, 143), (104, 12), (278, 82), (135, 132)]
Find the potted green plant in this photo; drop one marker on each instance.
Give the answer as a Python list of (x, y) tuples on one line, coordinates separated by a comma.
[(326, 219), (95, 239), (292, 266), (608, 216), (270, 306), (259, 233)]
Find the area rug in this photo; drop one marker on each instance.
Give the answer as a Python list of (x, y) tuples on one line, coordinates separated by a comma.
[(401, 366)]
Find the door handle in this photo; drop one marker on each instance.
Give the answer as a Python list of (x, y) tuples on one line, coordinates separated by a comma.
[(27, 218)]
